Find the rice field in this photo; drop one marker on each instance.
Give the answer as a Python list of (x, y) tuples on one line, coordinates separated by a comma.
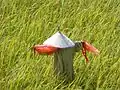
[(24, 23)]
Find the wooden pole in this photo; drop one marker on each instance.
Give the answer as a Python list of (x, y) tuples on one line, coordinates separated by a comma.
[(63, 62)]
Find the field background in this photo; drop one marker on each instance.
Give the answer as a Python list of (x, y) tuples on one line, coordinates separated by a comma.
[(24, 23)]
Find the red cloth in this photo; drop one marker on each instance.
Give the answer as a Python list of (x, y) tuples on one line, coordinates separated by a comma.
[(43, 49)]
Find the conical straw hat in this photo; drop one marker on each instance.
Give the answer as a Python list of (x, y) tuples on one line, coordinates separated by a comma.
[(59, 40)]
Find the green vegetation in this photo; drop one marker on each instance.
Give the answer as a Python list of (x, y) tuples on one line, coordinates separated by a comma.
[(24, 23)]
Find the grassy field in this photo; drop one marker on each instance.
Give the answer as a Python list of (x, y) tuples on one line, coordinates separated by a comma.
[(24, 23)]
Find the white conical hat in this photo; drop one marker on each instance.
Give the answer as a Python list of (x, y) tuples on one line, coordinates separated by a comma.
[(59, 40)]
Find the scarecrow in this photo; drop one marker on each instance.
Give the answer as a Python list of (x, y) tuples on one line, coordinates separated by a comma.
[(64, 51)]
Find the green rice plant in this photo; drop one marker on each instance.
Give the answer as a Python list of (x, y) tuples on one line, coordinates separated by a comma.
[(24, 23)]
